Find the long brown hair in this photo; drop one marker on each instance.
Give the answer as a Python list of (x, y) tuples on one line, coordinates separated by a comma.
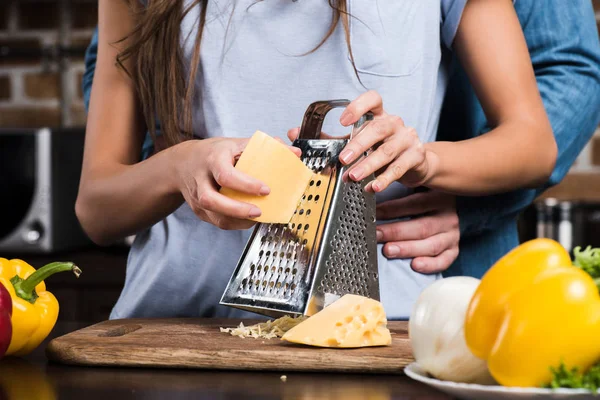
[(158, 62)]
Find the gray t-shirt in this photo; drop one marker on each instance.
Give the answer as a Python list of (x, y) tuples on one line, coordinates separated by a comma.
[(252, 77)]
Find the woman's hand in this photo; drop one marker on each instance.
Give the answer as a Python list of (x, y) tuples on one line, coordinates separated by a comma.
[(398, 152), (202, 167)]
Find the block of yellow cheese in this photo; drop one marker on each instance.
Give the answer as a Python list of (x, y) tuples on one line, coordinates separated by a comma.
[(274, 164), (351, 321)]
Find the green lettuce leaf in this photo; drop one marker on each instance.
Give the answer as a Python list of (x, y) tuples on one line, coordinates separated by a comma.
[(588, 260), (573, 379)]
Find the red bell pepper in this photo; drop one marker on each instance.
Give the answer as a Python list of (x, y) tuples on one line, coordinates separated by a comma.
[(5, 322)]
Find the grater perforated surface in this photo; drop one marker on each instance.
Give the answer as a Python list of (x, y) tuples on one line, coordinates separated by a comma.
[(327, 249), (279, 267), (347, 267)]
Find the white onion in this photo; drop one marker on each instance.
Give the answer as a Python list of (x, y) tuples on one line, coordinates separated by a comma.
[(436, 331)]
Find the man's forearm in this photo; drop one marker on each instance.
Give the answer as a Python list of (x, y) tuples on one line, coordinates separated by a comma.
[(563, 42)]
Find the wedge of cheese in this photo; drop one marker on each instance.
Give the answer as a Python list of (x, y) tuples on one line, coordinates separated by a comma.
[(271, 162), (351, 321)]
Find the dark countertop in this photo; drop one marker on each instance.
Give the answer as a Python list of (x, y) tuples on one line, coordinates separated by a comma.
[(88, 300), (33, 377)]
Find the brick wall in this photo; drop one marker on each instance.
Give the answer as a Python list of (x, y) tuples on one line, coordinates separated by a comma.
[(38, 89), (39, 83)]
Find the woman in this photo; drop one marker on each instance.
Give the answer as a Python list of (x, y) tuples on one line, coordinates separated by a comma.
[(220, 70)]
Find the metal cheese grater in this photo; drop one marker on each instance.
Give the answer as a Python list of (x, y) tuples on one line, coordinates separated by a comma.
[(329, 247)]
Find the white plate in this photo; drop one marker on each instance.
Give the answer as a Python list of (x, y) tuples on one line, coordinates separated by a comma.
[(474, 391)]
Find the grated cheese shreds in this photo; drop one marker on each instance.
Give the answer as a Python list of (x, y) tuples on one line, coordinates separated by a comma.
[(265, 330)]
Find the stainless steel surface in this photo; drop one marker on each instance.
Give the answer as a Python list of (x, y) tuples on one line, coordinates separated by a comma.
[(39, 213), (328, 249), (565, 226), (42, 176)]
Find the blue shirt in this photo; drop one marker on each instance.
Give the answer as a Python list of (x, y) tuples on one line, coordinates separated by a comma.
[(562, 38), (250, 78)]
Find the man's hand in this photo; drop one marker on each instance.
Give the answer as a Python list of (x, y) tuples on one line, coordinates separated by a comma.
[(430, 238)]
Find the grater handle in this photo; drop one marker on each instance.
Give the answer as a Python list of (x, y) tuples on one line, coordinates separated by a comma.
[(315, 114)]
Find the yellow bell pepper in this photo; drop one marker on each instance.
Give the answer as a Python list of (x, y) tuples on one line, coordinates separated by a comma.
[(34, 310), (532, 311), (20, 379)]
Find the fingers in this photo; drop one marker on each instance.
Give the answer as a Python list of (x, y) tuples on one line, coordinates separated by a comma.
[(224, 222), (227, 223), (429, 247), (432, 241), (400, 150), (209, 200), (211, 168), (226, 175), (385, 154), (293, 133), (375, 132), (433, 265), (419, 228), (369, 101), (414, 204), (237, 148), (412, 159)]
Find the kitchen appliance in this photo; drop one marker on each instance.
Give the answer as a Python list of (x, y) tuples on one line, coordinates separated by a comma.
[(158, 342), (329, 247), (39, 179)]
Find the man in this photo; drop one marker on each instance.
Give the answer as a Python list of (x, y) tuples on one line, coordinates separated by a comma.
[(562, 38), (563, 42)]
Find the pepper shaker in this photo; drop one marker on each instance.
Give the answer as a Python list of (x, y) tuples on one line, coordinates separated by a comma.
[(565, 226)]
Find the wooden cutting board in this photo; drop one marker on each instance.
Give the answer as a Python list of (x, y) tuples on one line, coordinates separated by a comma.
[(198, 343)]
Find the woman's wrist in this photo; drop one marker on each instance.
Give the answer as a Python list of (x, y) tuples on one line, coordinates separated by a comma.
[(433, 166), (176, 157)]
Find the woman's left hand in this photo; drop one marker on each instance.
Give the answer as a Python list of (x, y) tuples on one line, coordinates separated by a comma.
[(398, 152)]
